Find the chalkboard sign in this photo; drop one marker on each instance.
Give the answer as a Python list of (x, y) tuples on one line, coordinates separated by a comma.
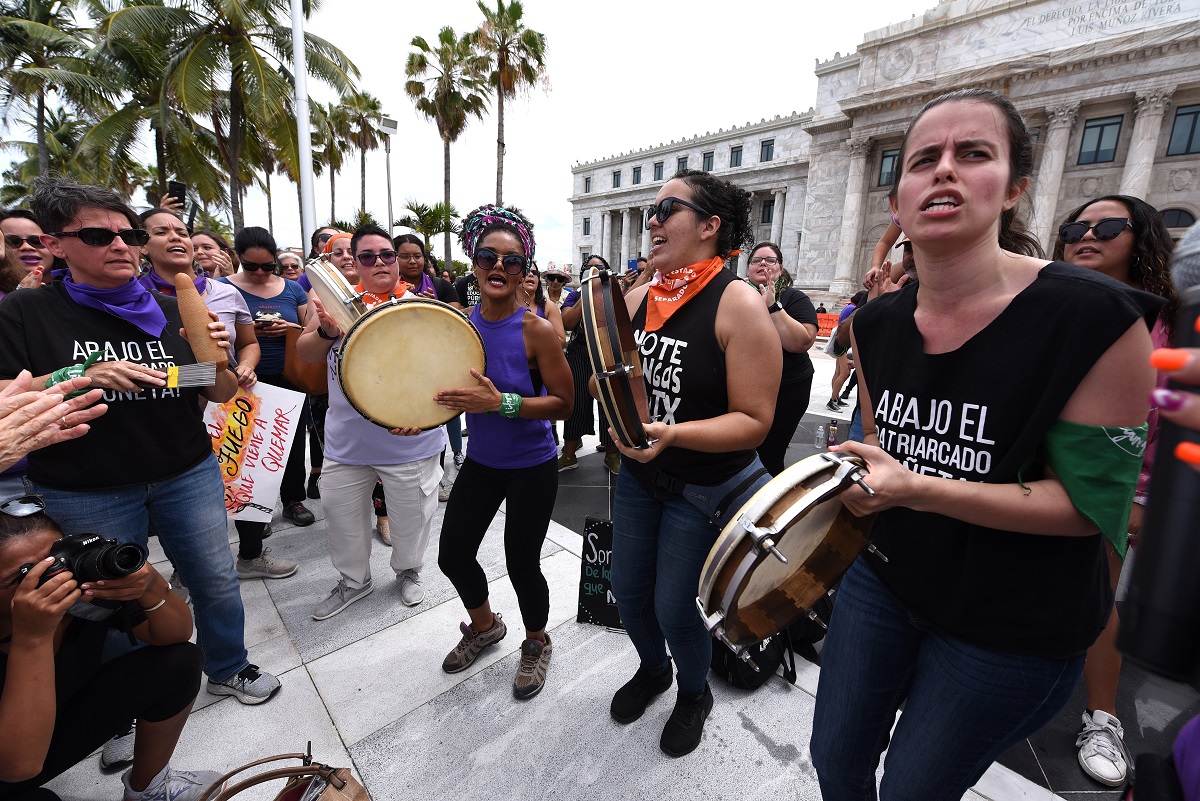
[(596, 602)]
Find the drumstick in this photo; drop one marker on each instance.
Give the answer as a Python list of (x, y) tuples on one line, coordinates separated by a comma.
[(195, 321)]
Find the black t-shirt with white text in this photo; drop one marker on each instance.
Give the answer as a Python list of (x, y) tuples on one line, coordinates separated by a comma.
[(467, 289)]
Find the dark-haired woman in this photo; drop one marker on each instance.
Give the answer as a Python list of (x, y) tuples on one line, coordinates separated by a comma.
[(23, 236), (707, 340), (1124, 238), (583, 417), (532, 296), (511, 454), (795, 322), (984, 437), (214, 255), (275, 304)]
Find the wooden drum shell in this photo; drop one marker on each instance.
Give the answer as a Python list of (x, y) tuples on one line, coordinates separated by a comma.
[(613, 354)]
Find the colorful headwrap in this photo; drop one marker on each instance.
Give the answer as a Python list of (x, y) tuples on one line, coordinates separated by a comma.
[(479, 220)]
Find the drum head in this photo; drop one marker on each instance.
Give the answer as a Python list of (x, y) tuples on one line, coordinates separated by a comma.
[(398, 356)]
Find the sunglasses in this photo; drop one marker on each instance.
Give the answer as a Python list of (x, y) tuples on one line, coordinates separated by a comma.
[(768, 260), (367, 259), (487, 259), (14, 241), (557, 278), (1106, 229), (23, 506), (253, 265), (323, 238), (101, 237), (665, 207)]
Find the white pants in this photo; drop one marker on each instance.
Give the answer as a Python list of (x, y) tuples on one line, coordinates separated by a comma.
[(411, 491)]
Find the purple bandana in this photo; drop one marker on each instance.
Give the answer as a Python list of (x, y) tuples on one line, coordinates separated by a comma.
[(153, 280), (426, 283), (131, 301)]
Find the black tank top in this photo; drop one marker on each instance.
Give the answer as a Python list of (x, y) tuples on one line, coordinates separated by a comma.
[(684, 369), (980, 413)]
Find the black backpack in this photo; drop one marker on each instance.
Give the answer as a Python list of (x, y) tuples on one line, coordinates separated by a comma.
[(768, 655)]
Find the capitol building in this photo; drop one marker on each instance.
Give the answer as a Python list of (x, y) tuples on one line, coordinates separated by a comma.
[(1110, 88)]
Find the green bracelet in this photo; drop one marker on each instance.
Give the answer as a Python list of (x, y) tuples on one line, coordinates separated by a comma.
[(72, 371), (510, 404)]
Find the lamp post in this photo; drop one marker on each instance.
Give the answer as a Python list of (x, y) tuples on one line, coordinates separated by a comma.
[(389, 127), (308, 206)]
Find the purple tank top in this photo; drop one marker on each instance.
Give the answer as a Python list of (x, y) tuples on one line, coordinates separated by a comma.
[(504, 442)]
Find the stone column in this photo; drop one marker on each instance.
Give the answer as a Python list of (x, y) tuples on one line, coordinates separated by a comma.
[(602, 250), (645, 232), (626, 239), (1060, 120), (1148, 119), (845, 280), (779, 195)]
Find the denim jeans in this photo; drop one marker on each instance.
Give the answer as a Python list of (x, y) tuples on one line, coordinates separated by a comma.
[(963, 705), (856, 429), (187, 512), (454, 432), (660, 544)]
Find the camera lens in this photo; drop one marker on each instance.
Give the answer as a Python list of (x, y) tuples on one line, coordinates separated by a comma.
[(108, 559)]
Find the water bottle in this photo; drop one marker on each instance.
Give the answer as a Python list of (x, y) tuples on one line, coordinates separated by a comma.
[(833, 440), (819, 439)]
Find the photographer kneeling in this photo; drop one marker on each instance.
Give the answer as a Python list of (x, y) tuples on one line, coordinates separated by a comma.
[(58, 703)]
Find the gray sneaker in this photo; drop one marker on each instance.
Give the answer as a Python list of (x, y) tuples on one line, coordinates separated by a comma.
[(118, 750), (265, 566), (339, 598), (172, 785), (250, 686), (472, 643), (531, 673), (177, 586), (411, 591)]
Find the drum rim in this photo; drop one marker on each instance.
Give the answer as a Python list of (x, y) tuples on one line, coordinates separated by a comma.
[(391, 303), (634, 434)]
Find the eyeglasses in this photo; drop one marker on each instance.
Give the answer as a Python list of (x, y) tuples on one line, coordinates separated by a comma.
[(1106, 229), (557, 278), (14, 241), (23, 506), (253, 265), (663, 209), (487, 259), (367, 259), (770, 261), (410, 257), (289, 265), (323, 238), (102, 237)]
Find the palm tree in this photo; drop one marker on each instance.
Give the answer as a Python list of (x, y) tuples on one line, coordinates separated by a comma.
[(42, 52), (62, 132), (239, 44), (429, 221), (517, 60), (446, 85), (331, 128), (363, 114)]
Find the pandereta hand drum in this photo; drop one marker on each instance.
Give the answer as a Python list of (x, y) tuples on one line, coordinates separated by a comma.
[(785, 548), (337, 296), (614, 357), (398, 355)]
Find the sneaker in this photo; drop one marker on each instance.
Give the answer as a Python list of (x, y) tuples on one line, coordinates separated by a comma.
[(841, 402), (612, 462), (411, 591), (472, 642), (443, 493), (172, 785), (1102, 753), (250, 686), (118, 750), (458, 460), (567, 463), (630, 702), (266, 532), (299, 514), (531, 673), (684, 728), (384, 529), (339, 598), (314, 488), (265, 566), (833, 406), (178, 587)]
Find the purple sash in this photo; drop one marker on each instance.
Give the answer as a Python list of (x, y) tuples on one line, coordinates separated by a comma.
[(153, 280), (131, 301)]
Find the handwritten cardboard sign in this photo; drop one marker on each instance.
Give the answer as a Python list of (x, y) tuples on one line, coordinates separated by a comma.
[(251, 435)]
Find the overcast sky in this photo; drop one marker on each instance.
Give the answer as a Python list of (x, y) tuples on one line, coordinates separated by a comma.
[(623, 74)]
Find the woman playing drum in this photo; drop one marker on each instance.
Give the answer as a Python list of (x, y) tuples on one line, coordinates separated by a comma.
[(698, 327), (511, 456), (1004, 408)]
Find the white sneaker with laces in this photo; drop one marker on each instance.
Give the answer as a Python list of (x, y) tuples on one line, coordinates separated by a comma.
[(265, 566), (118, 750), (411, 591), (250, 685), (1102, 753), (172, 785)]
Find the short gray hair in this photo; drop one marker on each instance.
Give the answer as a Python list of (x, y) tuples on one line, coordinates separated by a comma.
[(58, 200)]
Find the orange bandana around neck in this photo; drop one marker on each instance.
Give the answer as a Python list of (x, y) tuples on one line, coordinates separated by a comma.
[(370, 299), (669, 291)]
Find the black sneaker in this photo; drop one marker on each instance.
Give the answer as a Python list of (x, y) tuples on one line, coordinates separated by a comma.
[(833, 406), (635, 695), (299, 514), (314, 489), (684, 728)]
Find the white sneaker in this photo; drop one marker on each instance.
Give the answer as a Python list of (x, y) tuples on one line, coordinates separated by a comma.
[(265, 566), (1102, 753), (172, 785), (411, 591), (339, 598), (118, 750), (250, 685)]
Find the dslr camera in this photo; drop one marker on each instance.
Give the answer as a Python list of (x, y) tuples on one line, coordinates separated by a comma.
[(90, 557)]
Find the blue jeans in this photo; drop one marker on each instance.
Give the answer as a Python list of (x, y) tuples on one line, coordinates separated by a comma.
[(660, 545), (963, 705), (454, 432), (856, 429), (188, 514)]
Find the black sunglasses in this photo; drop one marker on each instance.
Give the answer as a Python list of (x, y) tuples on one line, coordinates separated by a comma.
[(367, 259), (23, 506), (101, 237), (323, 238), (664, 208), (1106, 229), (253, 265), (487, 259), (14, 241), (552, 277)]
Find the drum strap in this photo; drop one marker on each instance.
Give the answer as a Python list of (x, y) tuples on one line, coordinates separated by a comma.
[(737, 493), (668, 484)]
